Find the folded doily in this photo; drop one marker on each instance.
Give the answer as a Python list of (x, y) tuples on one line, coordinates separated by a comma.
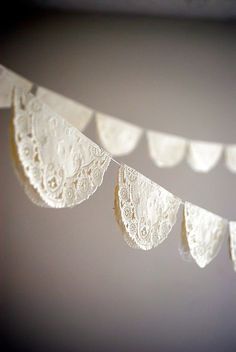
[(117, 137), (203, 156), (166, 150), (62, 165), (145, 211), (204, 232)]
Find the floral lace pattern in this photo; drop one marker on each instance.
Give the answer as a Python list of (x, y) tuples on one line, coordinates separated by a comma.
[(75, 113), (62, 165), (117, 137), (232, 232), (9, 79), (166, 150), (203, 156), (147, 211), (204, 232)]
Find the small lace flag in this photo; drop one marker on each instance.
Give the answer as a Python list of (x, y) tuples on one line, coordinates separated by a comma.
[(166, 150), (62, 165), (203, 156), (145, 211), (117, 137), (204, 232)]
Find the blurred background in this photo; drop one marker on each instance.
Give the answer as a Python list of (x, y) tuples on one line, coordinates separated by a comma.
[(68, 280)]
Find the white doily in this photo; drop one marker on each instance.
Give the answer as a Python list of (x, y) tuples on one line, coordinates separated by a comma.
[(147, 211), (75, 113), (117, 137), (230, 157), (232, 232), (203, 156), (166, 150), (62, 164), (204, 232), (8, 80)]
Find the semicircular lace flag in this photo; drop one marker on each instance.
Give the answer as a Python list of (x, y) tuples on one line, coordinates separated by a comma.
[(230, 157), (62, 165), (232, 233), (145, 211), (9, 79), (166, 150), (117, 137), (203, 156), (75, 113), (204, 232)]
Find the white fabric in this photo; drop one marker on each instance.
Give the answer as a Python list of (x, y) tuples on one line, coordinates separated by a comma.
[(118, 137), (75, 113), (232, 232), (203, 156), (166, 150), (230, 157), (204, 232), (62, 164), (148, 212), (8, 80)]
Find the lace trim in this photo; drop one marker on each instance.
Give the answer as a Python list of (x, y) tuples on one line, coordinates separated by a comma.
[(203, 156), (232, 232), (62, 165), (146, 212), (166, 150), (205, 233), (9, 79), (75, 113), (32, 194), (117, 137)]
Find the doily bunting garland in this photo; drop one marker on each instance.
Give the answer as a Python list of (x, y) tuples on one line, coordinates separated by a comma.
[(60, 167), (119, 137)]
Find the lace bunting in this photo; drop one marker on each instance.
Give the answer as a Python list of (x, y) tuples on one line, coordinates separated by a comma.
[(120, 137), (166, 150), (204, 232), (146, 211), (117, 137), (62, 165)]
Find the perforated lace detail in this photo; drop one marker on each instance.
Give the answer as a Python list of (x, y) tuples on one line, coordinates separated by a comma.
[(204, 232), (62, 164), (147, 211)]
